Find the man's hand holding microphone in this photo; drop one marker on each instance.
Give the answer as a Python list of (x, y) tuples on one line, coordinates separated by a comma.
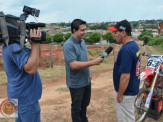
[(106, 52), (100, 59)]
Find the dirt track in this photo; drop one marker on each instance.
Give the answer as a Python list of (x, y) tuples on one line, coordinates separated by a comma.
[(55, 101)]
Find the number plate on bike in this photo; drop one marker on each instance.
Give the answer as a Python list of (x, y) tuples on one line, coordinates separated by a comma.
[(153, 62)]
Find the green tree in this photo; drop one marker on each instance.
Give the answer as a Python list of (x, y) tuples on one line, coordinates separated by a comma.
[(62, 24), (48, 38), (94, 37), (109, 37), (135, 25), (67, 36), (146, 39), (146, 32), (151, 42), (103, 26), (86, 37), (145, 35), (58, 37)]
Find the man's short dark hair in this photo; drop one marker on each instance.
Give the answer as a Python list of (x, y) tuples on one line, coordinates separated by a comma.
[(76, 23)]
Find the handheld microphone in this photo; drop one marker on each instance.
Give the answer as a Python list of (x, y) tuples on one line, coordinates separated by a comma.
[(107, 52)]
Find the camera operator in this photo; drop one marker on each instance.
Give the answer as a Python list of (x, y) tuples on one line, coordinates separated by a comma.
[(24, 82)]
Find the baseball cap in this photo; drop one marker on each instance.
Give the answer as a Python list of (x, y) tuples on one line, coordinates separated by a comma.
[(123, 25)]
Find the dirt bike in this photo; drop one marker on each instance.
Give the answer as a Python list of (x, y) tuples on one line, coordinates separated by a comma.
[(151, 85)]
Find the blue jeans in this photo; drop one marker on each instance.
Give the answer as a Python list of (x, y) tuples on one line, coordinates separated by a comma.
[(30, 113), (80, 98)]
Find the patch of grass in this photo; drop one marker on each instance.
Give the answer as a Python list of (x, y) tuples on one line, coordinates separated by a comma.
[(56, 71), (107, 64), (141, 49), (159, 48), (95, 53), (156, 49), (64, 89), (3, 77), (149, 50), (7, 119), (59, 71), (111, 99)]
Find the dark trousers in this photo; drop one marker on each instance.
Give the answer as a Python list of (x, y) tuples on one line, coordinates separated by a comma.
[(80, 98)]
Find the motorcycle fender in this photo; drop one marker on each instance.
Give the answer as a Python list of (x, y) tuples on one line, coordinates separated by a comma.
[(143, 76), (162, 66)]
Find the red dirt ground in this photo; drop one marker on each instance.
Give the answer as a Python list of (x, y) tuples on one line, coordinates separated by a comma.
[(55, 102)]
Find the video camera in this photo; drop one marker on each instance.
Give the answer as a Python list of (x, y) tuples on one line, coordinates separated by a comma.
[(14, 29)]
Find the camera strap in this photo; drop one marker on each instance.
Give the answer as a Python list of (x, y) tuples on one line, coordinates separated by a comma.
[(22, 33), (3, 27), (22, 36)]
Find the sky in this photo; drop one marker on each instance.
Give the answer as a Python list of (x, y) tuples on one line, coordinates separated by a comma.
[(54, 11)]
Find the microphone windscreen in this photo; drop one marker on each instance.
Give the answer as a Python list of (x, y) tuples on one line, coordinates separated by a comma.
[(108, 50)]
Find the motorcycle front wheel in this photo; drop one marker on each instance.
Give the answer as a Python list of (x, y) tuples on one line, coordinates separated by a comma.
[(140, 113)]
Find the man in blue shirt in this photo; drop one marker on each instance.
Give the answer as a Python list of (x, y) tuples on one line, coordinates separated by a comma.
[(24, 81), (126, 72), (78, 77)]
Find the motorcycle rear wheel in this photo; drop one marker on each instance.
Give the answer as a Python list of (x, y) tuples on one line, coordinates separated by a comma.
[(140, 113)]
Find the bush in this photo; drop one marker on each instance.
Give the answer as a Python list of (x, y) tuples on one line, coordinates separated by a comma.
[(94, 37), (58, 37), (155, 41), (151, 42), (146, 36), (48, 38), (146, 39), (109, 37), (67, 36)]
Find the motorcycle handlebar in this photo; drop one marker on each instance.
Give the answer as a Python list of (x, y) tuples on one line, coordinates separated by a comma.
[(145, 54), (153, 55)]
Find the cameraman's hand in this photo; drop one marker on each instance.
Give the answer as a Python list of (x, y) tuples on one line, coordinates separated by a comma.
[(33, 60), (35, 33)]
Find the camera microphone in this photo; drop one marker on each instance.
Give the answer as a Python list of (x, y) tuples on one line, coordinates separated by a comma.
[(41, 24), (33, 25), (107, 52)]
